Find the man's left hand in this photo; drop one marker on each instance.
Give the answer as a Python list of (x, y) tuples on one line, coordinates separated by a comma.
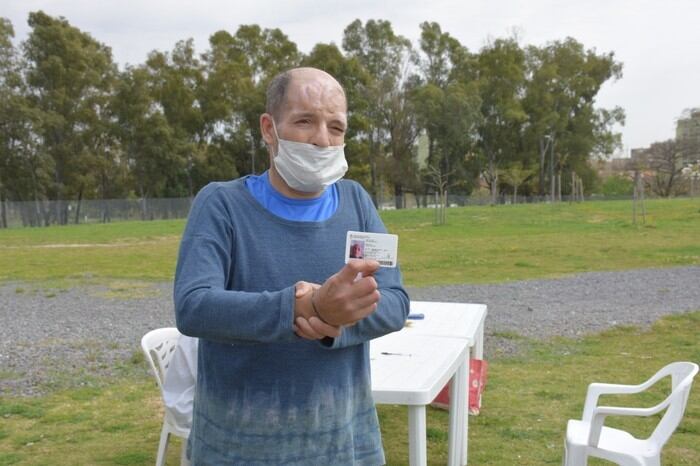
[(311, 327)]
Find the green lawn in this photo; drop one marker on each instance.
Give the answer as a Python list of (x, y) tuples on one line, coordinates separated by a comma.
[(527, 401), (503, 243), (478, 245), (525, 407)]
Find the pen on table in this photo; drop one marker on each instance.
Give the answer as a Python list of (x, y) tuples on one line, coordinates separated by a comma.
[(386, 353), (416, 316)]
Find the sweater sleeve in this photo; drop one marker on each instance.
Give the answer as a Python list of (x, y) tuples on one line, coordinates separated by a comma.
[(204, 308), (393, 306)]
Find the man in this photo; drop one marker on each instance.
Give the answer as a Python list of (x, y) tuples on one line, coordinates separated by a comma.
[(284, 324)]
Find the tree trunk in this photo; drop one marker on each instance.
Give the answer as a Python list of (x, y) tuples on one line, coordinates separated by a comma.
[(443, 220), (551, 172), (638, 198), (3, 212), (57, 211), (144, 210), (494, 180), (431, 149), (373, 171), (669, 185), (106, 214), (437, 208), (37, 211), (559, 186), (77, 209), (634, 200), (572, 198), (641, 192), (44, 210), (543, 153), (398, 196)]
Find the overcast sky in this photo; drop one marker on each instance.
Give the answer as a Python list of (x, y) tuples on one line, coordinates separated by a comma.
[(657, 41)]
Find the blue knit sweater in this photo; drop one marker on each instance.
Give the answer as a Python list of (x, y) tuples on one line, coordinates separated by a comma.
[(265, 396)]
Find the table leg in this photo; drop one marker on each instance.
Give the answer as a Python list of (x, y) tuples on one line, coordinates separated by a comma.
[(458, 415), (479, 342), (465, 413), (478, 350), (417, 438)]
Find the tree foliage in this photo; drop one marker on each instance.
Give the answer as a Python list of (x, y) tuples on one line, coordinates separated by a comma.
[(666, 159), (73, 125)]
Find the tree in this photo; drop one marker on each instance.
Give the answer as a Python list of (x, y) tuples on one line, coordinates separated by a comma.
[(222, 100), (385, 56), (501, 71), (515, 175), (176, 80), (439, 181), (447, 102), (403, 131), (267, 52), (563, 81), (147, 141), (69, 76), (23, 166), (616, 185), (666, 160)]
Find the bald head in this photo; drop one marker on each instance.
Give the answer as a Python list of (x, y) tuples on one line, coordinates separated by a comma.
[(306, 80)]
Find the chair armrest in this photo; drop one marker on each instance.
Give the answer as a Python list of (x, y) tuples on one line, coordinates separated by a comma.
[(601, 412), (597, 389)]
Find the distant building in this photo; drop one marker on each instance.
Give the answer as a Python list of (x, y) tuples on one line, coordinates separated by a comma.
[(688, 129), (606, 168), (639, 157)]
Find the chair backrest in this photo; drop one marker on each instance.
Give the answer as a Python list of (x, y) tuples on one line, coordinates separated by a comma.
[(682, 374), (159, 346)]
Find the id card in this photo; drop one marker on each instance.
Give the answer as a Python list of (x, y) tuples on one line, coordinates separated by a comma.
[(377, 246)]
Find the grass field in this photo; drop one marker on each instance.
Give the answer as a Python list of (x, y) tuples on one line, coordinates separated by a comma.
[(478, 244), (528, 398), (525, 407)]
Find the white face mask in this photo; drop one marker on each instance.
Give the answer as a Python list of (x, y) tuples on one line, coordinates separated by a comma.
[(308, 168)]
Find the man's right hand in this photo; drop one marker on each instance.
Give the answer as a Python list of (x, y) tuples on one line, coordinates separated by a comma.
[(343, 300)]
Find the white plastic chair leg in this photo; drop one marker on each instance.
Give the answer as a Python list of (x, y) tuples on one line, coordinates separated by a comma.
[(418, 448), (575, 455), (162, 445)]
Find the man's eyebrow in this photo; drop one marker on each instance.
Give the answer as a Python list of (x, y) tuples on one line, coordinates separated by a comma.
[(340, 121), (312, 115), (302, 114)]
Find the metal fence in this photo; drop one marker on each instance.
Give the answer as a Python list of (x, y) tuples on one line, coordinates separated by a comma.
[(41, 213)]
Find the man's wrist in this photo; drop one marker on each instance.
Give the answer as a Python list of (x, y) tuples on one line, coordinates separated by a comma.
[(313, 306)]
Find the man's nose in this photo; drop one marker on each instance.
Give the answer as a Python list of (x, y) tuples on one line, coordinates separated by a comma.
[(321, 137)]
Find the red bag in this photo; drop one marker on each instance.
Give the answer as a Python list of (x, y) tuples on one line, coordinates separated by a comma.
[(478, 369)]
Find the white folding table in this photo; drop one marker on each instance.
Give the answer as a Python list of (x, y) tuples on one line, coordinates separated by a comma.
[(411, 366)]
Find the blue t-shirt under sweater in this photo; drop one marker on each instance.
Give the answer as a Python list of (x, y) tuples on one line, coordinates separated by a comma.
[(304, 210), (265, 396)]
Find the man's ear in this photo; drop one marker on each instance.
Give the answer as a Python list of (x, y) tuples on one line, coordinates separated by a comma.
[(266, 130)]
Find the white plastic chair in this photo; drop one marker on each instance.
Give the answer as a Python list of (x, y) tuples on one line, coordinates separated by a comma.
[(588, 437), (159, 346)]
